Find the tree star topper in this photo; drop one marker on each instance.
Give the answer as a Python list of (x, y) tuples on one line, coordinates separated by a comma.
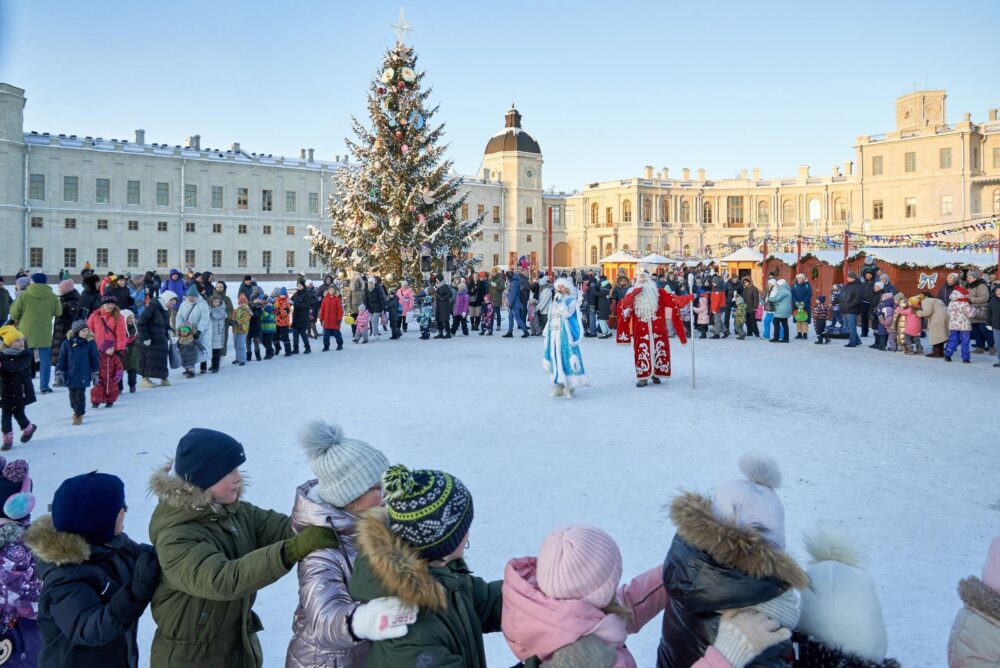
[(401, 27)]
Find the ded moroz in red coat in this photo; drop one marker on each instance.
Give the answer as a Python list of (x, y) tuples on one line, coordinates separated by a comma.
[(649, 337)]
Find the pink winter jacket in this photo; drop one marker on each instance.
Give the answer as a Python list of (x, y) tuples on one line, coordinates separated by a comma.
[(914, 324), (405, 296), (536, 625)]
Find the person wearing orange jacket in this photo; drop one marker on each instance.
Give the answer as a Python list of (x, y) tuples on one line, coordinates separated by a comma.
[(283, 319)]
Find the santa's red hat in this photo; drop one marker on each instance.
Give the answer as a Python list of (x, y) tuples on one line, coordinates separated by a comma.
[(960, 294)]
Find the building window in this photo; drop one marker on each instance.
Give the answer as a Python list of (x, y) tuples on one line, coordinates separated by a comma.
[(313, 202), (911, 207), (528, 238), (161, 257), (162, 194), (593, 255), (788, 211), (609, 217), (216, 259), (910, 162), (312, 259), (815, 211), (685, 212), (496, 237), (734, 210), (996, 201), (291, 201), (132, 257), (665, 209), (69, 257), (763, 213), (36, 186), (595, 214), (103, 194), (945, 205), (266, 200), (242, 199), (627, 211), (133, 226), (975, 157), (529, 216), (996, 157), (190, 257), (266, 229), (36, 256), (71, 188), (706, 213), (877, 165), (36, 221), (840, 209), (290, 230), (190, 195), (290, 259), (102, 257), (496, 259), (465, 211), (944, 158), (133, 193), (496, 215), (102, 223), (190, 227), (241, 228), (647, 210), (216, 228), (70, 223), (265, 258), (161, 226), (877, 211), (480, 210), (241, 259), (216, 197)]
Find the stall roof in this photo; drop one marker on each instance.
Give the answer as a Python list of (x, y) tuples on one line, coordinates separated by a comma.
[(618, 256), (744, 254), (655, 258), (913, 256)]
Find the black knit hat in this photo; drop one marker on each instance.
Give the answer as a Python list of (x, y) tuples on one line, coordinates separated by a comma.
[(205, 456), (88, 505), (430, 510)]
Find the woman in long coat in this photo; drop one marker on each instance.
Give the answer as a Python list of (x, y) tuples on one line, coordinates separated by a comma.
[(154, 339), (936, 312), (563, 333)]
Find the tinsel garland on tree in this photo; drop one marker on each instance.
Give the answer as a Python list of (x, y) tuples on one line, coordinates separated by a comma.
[(396, 202)]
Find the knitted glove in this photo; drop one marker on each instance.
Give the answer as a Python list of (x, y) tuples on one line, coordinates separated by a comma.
[(95, 377), (381, 619), (783, 609), (745, 633), (145, 576), (147, 342), (60, 379), (309, 539)]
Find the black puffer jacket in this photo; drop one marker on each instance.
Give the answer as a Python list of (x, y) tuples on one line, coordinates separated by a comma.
[(154, 326), (813, 654), (87, 614), (850, 298), (62, 323), (122, 296), (90, 298), (304, 300), (714, 566), (442, 306)]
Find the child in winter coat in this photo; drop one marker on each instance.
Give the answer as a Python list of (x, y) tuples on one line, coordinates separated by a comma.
[(886, 310), (283, 319), (566, 608), (96, 581), (241, 327), (16, 389), (329, 628), (268, 331), (897, 327), (728, 552), (740, 317), (533, 325), (821, 313), (394, 313), (702, 315), (413, 549), (78, 366), (18, 572), (108, 328), (331, 313), (361, 324), (959, 323), (486, 321), (130, 359), (913, 327), (189, 347), (801, 318), (253, 331), (424, 317), (840, 621), (406, 301), (975, 634), (217, 550), (219, 315)]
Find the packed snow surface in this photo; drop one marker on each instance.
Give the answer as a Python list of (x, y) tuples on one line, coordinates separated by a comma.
[(900, 451)]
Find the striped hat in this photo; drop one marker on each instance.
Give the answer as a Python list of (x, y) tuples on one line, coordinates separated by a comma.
[(430, 510)]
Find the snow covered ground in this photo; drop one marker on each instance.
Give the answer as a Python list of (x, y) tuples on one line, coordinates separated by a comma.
[(901, 451)]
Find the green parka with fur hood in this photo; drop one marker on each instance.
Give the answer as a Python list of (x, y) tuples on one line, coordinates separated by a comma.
[(214, 558), (456, 607)]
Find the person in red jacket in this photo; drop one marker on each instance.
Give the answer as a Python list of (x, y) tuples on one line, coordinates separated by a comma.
[(331, 312), (109, 329), (717, 304)]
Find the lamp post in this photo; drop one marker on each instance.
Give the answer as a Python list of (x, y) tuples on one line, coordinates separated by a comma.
[(691, 316)]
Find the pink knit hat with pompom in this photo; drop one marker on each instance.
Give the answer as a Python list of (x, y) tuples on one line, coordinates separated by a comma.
[(580, 563), (991, 569)]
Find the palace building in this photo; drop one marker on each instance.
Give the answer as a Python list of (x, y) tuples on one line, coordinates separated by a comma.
[(133, 205)]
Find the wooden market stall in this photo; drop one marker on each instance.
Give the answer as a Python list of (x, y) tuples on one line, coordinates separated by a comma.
[(618, 260), (743, 262)]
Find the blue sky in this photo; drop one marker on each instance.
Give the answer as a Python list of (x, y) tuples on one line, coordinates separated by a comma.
[(605, 87)]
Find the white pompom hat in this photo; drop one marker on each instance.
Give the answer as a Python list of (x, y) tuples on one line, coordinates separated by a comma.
[(753, 502)]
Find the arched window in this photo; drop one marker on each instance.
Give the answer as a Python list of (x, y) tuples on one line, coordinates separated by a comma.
[(985, 238), (706, 213), (840, 209), (665, 209), (649, 248), (685, 212), (788, 212), (815, 211), (763, 212), (608, 249), (627, 211), (666, 246), (595, 214), (647, 210), (625, 247), (687, 249), (996, 201), (593, 253)]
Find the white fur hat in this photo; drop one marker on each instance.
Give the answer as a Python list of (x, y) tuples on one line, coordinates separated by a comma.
[(841, 608), (753, 502), (566, 283)]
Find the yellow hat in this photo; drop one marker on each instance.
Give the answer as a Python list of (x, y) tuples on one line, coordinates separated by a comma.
[(9, 334)]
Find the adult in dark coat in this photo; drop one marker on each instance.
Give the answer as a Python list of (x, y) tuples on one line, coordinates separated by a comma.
[(802, 291), (119, 290), (850, 307), (5, 302), (154, 337), (514, 306), (867, 300), (442, 308), (71, 312), (90, 298), (303, 303), (733, 287), (751, 296)]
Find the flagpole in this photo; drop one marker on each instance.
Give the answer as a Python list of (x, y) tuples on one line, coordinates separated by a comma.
[(691, 310)]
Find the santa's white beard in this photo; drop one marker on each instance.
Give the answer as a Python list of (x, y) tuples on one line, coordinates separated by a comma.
[(647, 300)]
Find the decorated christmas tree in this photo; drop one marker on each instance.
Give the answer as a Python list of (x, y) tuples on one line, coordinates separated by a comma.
[(396, 201)]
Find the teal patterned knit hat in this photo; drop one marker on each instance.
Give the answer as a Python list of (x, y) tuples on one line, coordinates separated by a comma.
[(430, 510)]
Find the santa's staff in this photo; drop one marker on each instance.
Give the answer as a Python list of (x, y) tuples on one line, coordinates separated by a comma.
[(691, 314)]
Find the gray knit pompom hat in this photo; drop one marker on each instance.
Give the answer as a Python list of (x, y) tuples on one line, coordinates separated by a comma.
[(346, 468)]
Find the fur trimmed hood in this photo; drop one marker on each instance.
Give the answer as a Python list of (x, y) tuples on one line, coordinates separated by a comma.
[(814, 654), (176, 492), (979, 597), (397, 566), (56, 547), (743, 548)]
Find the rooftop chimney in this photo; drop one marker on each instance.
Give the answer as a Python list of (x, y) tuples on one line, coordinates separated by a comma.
[(310, 152), (193, 142), (302, 154), (803, 171), (648, 172), (743, 174), (686, 174), (235, 148), (756, 173), (848, 168), (140, 136), (993, 114), (701, 174), (666, 173)]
